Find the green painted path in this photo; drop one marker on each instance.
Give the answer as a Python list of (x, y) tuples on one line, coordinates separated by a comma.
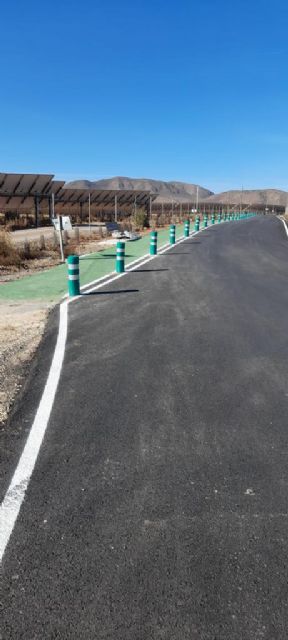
[(51, 285)]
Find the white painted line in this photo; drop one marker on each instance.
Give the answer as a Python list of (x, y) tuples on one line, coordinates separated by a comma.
[(14, 497), (285, 225), (15, 494)]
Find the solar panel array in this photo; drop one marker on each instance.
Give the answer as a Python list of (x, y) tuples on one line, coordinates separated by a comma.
[(20, 191)]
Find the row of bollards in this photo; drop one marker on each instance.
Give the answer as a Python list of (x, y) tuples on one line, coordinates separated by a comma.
[(73, 261)]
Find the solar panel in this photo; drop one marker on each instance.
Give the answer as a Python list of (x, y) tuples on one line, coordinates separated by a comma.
[(9, 182), (19, 183), (55, 187), (17, 190)]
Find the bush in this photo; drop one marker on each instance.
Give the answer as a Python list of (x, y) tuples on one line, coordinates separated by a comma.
[(141, 218), (9, 255)]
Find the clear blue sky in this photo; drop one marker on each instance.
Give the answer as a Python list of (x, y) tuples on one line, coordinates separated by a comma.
[(170, 90)]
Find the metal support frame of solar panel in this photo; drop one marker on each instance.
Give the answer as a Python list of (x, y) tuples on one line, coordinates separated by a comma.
[(101, 197)]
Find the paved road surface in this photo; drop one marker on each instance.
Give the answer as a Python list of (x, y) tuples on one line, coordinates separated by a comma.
[(158, 506)]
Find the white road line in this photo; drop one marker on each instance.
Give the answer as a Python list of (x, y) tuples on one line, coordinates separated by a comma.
[(10, 507), (285, 226), (14, 497)]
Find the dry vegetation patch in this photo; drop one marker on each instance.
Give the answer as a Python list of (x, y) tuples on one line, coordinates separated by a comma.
[(18, 259), (21, 329)]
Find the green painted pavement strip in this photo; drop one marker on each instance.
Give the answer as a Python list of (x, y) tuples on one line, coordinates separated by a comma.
[(51, 284)]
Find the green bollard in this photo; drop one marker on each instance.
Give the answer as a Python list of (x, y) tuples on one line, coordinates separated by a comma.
[(153, 243), (213, 219), (73, 275), (219, 218), (120, 257), (205, 221), (187, 229), (197, 223), (172, 233)]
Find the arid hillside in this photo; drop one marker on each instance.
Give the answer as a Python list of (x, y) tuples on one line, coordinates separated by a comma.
[(253, 196), (167, 191), (186, 192)]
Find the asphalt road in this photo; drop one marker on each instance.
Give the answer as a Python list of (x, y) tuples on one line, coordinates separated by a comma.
[(158, 505)]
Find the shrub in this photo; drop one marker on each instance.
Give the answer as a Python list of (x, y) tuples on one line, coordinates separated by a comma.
[(141, 218), (9, 255), (26, 253)]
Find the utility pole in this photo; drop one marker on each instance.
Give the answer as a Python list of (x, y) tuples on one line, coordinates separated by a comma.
[(116, 208), (60, 237), (60, 226), (241, 196)]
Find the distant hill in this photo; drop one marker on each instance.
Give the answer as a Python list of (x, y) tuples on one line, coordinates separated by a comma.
[(253, 196), (186, 192), (166, 191)]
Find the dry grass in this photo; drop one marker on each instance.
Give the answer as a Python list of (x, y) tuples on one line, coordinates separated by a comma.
[(17, 260), (9, 255), (21, 327)]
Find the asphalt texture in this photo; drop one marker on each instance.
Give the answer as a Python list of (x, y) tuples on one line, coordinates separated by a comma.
[(158, 505)]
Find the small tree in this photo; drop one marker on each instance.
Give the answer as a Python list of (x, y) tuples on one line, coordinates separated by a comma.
[(141, 218)]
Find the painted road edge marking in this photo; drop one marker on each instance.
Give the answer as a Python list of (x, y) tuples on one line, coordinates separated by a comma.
[(14, 496), (285, 225), (13, 499)]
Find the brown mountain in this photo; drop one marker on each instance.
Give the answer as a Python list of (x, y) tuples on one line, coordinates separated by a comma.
[(186, 192), (166, 191), (254, 196)]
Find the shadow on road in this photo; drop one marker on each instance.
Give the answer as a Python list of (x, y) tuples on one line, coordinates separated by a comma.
[(193, 242), (107, 255), (109, 293), (147, 270)]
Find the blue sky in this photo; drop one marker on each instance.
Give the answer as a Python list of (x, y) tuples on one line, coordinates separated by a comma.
[(168, 90)]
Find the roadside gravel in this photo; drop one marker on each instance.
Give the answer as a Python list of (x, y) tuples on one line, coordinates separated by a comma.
[(21, 328)]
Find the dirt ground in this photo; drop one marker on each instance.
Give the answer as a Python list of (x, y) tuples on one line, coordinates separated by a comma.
[(21, 329), (34, 235)]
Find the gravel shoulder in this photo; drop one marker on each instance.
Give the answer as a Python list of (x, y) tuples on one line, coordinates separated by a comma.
[(21, 328)]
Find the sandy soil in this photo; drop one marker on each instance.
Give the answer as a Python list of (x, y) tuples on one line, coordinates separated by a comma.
[(21, 329)]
